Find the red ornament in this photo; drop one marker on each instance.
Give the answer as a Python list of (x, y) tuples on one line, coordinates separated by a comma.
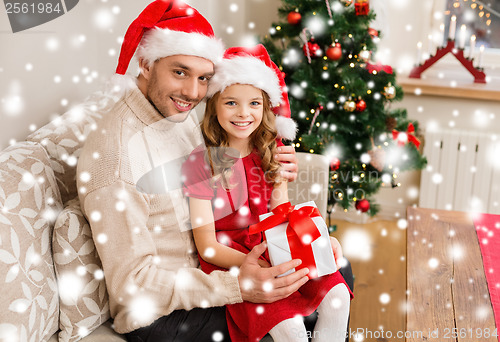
[(334, 164), (378, 68), (314, 49), (362, 7), (362, 205), (360, 105), (294, 18), (334, 52), (372, 32)]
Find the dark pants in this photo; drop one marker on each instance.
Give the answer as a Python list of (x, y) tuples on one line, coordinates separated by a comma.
[(185, 326), (201, 324), (346, 272)]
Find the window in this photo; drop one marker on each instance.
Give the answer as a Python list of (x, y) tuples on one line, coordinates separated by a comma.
[(479, 19)]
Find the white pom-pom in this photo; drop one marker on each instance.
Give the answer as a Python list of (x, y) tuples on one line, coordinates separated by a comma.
[(118, 85), (286, 127)]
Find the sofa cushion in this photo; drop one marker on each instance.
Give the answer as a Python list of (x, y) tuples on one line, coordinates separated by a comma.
[(29, 204), (83, 298), (104, 333), (64, 137)]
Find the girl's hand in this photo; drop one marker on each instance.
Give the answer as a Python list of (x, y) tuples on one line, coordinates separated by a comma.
[(337, 252), (289, 168)]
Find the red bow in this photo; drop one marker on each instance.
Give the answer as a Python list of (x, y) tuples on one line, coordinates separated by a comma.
[(378, 67), (409, 136), (301, 232)]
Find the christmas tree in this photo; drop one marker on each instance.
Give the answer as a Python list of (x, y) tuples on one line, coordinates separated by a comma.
[(342, 100)]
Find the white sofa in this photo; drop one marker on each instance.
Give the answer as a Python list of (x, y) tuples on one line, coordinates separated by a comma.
[(53, 287)]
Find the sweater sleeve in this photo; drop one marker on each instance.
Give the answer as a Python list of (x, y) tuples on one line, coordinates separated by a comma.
[(130, 263)]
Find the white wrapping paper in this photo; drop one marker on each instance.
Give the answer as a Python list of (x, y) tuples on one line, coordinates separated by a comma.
[(279, 249)]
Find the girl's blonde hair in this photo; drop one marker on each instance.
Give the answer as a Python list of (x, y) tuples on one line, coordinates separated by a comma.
[(216, 141)]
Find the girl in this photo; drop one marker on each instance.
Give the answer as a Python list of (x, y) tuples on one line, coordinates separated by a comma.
[(234, 179)]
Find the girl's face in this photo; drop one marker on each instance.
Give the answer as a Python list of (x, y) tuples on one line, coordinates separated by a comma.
[(239, 112)]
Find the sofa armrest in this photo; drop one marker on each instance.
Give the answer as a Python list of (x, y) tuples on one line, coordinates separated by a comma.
[(312, 181)]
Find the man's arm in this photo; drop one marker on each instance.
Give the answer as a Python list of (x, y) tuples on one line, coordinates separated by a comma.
[(128, 258), (286, 156), (136, 266)]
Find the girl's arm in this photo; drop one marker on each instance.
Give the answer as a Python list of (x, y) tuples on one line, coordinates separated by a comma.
[(279, 194), (209, 249)]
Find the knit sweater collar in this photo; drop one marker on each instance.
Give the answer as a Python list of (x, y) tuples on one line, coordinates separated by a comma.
[(146, 112)]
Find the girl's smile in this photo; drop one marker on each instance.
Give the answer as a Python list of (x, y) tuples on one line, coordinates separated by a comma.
[(242, 124), (239, 112)]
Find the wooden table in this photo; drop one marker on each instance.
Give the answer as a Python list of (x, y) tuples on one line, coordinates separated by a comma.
[(448, 298)]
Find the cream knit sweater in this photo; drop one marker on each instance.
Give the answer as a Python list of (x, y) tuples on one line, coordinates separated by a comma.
[(129, 188)]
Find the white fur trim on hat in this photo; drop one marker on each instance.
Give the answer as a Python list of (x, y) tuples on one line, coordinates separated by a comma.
[(118, 85), (158, 43), (246, 70), (286, 127)]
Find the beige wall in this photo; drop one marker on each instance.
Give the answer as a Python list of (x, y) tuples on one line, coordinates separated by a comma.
[(40, 96), (31, 97), (260, 12)]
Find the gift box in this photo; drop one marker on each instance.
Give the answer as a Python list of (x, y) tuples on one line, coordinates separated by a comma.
[(298, 232), (362, 7)]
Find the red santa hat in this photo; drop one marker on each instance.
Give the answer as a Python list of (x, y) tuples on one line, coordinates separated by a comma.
[(167, 28), (253, 66)]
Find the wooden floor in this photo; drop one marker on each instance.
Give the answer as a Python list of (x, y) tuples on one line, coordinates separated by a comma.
[(377, 252)]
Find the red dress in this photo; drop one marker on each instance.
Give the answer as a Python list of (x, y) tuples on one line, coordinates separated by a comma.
[(234, 210)]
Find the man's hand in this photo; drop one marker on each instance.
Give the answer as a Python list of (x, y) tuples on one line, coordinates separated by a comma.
[(337, 252), (286, 156), (261, 285)]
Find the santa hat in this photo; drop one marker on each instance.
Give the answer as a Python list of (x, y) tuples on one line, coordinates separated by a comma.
[(253, 66), (167, 28)]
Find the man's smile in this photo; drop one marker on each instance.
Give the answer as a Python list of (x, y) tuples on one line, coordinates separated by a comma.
[(182, 105)]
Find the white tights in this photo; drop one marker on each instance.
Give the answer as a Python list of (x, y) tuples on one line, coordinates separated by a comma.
[(333, 313)]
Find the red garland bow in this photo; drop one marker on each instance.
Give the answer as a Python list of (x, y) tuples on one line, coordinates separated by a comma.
[(378, 67), (410, 136), (301, 232)]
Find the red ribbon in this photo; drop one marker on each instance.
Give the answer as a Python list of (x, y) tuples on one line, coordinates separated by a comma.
[(301, 232), (409, 133)]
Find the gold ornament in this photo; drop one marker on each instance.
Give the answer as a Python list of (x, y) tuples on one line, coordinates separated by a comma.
[(389, 91), (350, 106), (346, 2), (365, 55)]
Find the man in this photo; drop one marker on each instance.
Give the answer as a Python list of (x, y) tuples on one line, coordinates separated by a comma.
[(149, 260), (129, 190)]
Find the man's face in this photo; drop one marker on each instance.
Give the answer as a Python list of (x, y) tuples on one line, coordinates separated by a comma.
[(178, 83)]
